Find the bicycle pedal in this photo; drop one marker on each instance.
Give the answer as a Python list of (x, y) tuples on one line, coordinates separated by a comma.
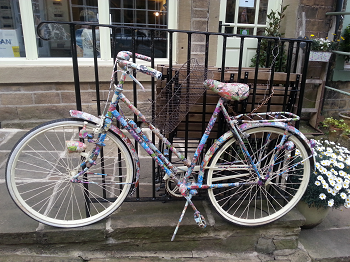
[(200, 220)]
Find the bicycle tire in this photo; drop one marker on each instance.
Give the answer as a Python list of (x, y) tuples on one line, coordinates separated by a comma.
[(254, 205), (39, 172)]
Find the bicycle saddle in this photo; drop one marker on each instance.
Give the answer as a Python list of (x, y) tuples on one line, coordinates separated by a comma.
[(230, 91)]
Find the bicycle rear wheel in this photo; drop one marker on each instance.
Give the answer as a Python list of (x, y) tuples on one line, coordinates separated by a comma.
[(39, 172), (253, 205)]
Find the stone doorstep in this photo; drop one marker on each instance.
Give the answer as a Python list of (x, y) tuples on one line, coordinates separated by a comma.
[(148, 226)]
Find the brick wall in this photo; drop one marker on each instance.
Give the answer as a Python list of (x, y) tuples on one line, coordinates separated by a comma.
[(321, 26), (27, 105), (317, 22)]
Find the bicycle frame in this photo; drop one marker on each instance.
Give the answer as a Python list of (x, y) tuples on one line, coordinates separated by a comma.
[(158, 156)]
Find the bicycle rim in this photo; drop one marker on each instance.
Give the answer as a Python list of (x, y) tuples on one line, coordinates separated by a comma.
[(253, 205), (39, 172)]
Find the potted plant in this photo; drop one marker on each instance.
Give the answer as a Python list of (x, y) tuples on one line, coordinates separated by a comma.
[(329, 184), (335, 128), (321, 49)]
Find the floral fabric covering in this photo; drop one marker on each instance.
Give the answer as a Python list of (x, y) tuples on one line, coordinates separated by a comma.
[(230, 91)]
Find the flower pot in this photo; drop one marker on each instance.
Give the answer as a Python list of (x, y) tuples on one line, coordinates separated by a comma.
[(320, 56), (313, 216), (334, 134), (345, 115)]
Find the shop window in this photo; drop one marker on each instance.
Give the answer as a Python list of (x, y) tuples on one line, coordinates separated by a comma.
[(11, 36), (140, 13)]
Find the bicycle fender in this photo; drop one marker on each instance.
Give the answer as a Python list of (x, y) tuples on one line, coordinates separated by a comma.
[(126, 140), (228, 135)]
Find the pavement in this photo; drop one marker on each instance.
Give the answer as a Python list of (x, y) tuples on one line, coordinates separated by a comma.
[(142, 231)]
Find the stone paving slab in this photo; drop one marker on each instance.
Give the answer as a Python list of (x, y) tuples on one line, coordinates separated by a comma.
[(329, 241)]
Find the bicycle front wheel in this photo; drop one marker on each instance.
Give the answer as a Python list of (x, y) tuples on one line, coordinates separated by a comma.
[(40, 169), (249, 203)]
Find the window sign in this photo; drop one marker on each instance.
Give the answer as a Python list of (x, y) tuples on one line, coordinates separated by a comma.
[(246, 3), (11, 37), (9, 46)]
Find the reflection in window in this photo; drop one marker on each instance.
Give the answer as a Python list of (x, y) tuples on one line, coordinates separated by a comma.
[(11, 36), (140, 13), (65, 11), (263, 11)]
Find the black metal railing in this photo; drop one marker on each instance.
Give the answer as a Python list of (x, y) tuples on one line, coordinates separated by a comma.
[(282, 58)]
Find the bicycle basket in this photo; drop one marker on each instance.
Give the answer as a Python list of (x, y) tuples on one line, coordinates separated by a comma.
[(175, 100)]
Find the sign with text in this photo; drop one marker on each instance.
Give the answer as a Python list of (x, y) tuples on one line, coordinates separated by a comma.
[(9, 46), (246, 3)]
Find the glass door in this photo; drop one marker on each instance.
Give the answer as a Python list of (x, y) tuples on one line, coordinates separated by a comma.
[(245, 17)]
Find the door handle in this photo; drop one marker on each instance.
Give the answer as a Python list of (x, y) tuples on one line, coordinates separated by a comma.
[(221, 25)]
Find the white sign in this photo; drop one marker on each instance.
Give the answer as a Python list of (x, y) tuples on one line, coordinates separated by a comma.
[(246, 3), (8, 43)]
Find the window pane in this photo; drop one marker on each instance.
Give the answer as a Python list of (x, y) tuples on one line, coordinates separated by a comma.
[(263, 11), (148, 14), (65, 11), (246, 15), (230, 11), (11, 36)]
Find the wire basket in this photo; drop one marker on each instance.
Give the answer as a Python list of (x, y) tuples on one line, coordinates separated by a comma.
[(180, 93)]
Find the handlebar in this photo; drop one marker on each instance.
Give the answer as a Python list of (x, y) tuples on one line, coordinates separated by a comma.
[(123, 60)]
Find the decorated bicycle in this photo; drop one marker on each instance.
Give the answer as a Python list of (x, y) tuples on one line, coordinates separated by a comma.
[(74, 172)]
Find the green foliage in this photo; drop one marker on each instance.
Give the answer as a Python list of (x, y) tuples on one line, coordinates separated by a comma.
[(332, 122), (273, 25), (345, 42)]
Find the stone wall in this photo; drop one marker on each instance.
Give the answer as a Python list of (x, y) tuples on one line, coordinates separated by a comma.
[(27, 105)]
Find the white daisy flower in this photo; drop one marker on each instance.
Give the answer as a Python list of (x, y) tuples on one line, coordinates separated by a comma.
[(325, 185), (343, 195), (342, 173), (339, 180), (331, 203), (338, 187), (322, 196), (340, 165), (329, 174), (317, 183), (347, 205), (341, 158)]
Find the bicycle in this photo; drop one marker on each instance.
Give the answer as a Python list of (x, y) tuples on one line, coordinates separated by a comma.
[(74, 172)]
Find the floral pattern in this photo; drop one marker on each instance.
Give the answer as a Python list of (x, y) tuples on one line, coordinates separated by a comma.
[(230, 91)]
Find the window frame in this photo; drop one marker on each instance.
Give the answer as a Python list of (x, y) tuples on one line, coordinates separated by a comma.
[(30, 43)]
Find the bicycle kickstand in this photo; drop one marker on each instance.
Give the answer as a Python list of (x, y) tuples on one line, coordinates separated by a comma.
[(197, 217)]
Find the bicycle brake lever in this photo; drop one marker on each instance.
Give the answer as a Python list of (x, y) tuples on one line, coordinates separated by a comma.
[(137, 82)]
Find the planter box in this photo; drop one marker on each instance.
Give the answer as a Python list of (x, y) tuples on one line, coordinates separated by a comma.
[(320, 56)]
